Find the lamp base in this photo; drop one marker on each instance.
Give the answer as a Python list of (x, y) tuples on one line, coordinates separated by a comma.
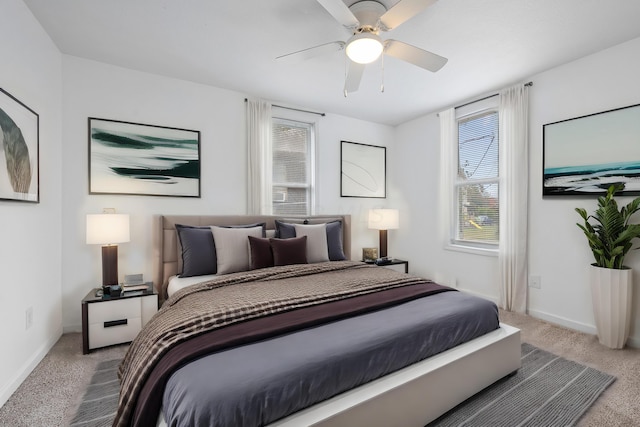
[(383, 243), (109, 265)]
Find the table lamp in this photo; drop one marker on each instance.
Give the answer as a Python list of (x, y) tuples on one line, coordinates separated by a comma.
[(383, 220), (108, 229)]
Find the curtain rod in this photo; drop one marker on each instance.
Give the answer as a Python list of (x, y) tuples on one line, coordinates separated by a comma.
[(294, 109), (486, 97)]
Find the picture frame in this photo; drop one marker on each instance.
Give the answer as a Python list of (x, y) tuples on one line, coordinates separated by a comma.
[(19, 150), (139, 159), (363, 170), (584, 155)]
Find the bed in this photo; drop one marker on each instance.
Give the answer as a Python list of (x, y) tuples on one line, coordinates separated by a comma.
[(341, 344)]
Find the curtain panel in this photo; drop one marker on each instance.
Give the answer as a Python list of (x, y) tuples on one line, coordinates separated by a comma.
[(259, 154), (514, 193)]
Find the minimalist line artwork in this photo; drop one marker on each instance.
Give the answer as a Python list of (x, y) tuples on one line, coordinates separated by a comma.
[(19, 139), (133, 158), (585, 155), (363, 170)]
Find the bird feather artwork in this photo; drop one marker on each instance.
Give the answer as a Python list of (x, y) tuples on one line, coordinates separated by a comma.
[(16, 154)]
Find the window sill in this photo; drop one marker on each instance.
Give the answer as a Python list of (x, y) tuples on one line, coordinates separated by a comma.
[(471, 250)]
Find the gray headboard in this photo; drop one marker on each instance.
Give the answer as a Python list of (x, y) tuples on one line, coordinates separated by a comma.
[(167, 259)]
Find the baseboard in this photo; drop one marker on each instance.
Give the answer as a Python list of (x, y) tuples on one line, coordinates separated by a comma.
[(27, 368), (563, 321)]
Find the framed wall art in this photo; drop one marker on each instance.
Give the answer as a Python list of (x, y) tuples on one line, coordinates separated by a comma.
[(363, 170), (134, 158), (585, 155), (19, 151)]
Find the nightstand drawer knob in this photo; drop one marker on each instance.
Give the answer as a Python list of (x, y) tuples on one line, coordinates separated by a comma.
[(112, 323)]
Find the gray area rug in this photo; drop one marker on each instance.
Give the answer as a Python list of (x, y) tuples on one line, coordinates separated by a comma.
[(546, 391), (100, 401)]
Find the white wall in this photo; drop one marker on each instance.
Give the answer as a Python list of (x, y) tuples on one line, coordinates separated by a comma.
[(92, 89), (30, 258), (558, 250)]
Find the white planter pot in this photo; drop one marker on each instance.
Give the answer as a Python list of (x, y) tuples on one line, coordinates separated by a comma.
[(611, 296)]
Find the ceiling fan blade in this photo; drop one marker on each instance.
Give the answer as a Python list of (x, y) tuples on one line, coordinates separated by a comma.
[(402, 12), (414, 55), (354, 75), (311, 52), (340, 12)]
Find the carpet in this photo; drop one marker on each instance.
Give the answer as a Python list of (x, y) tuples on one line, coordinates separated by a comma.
[(546, 391), (100, 401)]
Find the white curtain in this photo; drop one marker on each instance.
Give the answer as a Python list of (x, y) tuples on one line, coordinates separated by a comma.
[(259, 157), (448, 138), (514, 165)]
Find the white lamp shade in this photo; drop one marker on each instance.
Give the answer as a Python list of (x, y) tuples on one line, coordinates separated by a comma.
[(384, 219), (105, 229), (364, 48)]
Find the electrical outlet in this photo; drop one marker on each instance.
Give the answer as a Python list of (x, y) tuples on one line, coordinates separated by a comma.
[(28, 317), (535, 282)]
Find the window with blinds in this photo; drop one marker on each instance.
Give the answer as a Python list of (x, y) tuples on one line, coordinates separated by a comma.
[(477, 181), (292, 160)]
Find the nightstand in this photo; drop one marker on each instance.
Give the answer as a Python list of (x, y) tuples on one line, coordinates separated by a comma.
[(108, 320), (395, 262)]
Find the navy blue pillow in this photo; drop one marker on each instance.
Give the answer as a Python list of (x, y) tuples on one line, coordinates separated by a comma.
[(285, 230), (334, 241), (199, 250)]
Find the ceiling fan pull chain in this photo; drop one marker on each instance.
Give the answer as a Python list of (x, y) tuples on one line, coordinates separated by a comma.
[(346, 75), (382, 74)]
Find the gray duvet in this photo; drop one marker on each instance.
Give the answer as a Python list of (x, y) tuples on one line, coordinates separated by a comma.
[(259, 383)]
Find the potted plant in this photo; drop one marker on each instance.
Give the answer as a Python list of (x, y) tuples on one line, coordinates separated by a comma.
[(610, 238)]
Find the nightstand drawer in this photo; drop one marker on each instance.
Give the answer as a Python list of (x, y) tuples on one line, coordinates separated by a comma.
[(114, 310), (115, 331)]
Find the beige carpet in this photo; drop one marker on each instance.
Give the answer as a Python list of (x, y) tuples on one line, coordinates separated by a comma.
[(51, 394)]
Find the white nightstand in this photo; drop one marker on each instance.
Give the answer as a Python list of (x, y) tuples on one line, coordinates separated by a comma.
[(108, 320)]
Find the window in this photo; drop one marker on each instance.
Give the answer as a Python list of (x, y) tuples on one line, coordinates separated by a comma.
[(293, 157), (476, 184)]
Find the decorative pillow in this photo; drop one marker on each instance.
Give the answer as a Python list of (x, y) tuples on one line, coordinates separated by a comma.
[(289, 251), (260, 253), (335, 246), (285, 230), (232, 247), (316, 241), (198, 250)]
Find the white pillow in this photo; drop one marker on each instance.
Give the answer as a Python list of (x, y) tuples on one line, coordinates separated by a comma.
[(232, 247), (316, 241)]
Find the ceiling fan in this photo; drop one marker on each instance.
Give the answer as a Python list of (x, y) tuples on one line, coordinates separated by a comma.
[(365, 20)]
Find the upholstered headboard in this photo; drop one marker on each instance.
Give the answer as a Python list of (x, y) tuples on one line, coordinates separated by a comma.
[(167, 250)]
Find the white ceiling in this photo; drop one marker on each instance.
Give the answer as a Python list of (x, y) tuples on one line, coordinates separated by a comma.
[(233, 44)]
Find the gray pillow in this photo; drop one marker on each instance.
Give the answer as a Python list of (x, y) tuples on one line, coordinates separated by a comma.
[(232, 247), (286, 230), (316, 241)]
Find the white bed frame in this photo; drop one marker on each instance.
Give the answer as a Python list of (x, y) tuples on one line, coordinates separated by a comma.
[(412, 396)]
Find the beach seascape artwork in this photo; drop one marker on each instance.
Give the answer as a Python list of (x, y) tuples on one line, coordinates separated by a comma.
[(132, 158), (587, 154)]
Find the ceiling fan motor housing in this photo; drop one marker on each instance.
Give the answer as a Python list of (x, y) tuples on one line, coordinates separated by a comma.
[(368, 13)]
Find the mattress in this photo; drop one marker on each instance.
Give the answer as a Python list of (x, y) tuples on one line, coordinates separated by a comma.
[(261, 382)]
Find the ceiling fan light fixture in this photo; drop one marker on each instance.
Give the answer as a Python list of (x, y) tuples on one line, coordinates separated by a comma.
[(364, 48)]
